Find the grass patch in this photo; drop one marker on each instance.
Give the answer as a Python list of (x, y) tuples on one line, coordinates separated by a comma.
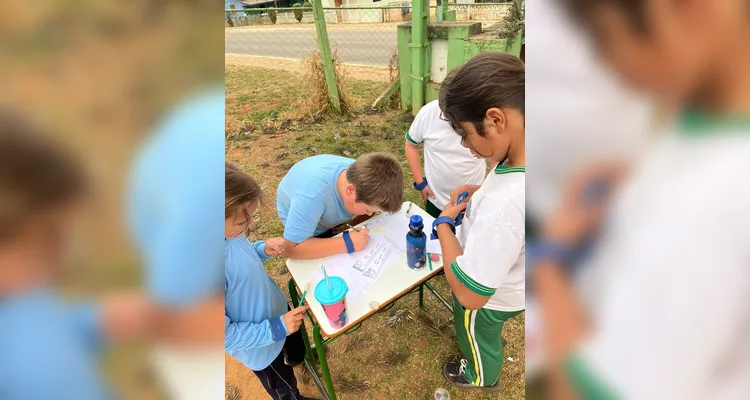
[(398, 360)]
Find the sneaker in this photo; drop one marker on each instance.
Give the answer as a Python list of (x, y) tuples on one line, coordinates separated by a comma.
[(455, 373)]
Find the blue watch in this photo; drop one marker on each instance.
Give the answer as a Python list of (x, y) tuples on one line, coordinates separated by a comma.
[(420, 186), (348, 242), (442, 220)]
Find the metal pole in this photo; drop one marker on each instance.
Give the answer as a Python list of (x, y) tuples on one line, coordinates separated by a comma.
[(325, 55), (420, 17)]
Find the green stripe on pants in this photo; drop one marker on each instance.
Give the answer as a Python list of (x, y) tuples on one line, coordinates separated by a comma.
[(479, 336)]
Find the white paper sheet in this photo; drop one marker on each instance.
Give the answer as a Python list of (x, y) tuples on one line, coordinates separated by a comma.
[(361, 269), (396, 226)]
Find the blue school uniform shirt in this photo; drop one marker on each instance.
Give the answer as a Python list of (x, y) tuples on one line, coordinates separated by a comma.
[(307, 200), (254, 329), (176, 208), (49, 351)]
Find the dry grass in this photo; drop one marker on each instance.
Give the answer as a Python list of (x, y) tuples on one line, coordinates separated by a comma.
[(377, 361), (313, 84)]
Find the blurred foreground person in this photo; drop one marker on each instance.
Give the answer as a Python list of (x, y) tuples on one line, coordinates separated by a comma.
[(176, 214), (660, 308), (49, 349), (573, 103)]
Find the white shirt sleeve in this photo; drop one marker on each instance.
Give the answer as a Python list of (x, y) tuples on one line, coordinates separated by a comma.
[(421, 123), (491, 248)]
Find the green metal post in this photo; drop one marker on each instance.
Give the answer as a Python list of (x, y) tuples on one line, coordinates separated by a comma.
[(421, 296), (323, 362), (325, 54), (419, 19)]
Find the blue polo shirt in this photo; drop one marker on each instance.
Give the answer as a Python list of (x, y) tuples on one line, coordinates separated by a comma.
[(176, 209), (254, 330), (49, 351), (307, 200)]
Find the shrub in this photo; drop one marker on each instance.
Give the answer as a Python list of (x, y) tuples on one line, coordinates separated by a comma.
[(297, 12)]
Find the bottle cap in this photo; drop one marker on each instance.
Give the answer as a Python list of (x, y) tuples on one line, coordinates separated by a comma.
[(415, 222)]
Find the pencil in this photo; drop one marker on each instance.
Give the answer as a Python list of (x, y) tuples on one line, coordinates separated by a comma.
[(353, 228), (304, 293)]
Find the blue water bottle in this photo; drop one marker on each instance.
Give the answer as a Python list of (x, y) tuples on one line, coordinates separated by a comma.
[(416, 242)]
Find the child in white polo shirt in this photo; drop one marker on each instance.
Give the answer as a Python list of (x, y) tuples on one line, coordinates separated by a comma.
[(447, 164), (659, 308), (484, 263)]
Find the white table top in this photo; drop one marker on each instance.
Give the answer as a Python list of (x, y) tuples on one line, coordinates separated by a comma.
[(395, 281)]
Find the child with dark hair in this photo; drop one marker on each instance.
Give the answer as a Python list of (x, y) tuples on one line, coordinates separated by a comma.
[(447, 164), (260, 330), (484, 263)]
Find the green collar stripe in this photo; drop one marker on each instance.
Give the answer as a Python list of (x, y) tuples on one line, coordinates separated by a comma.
[(501, 169), (697, 123)]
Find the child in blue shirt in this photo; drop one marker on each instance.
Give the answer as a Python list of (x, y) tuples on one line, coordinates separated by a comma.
[(321, 193), (49, 349), (260, 330)]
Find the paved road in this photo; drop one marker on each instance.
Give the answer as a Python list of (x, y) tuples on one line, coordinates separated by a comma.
[(359, 46)]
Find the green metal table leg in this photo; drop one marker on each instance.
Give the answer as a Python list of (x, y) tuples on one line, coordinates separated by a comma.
[(305, 339), (323, 362), (421, 296)]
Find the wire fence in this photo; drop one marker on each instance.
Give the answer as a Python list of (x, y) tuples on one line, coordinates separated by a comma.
[(364, 38)]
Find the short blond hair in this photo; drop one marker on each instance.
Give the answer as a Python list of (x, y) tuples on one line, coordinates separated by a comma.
[(379, 181)]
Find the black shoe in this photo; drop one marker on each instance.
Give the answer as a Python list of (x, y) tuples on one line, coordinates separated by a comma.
[(454, 373)]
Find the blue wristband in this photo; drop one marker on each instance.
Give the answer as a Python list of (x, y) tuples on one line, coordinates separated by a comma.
[(420, 186), (348, 241), (442, 220), (548, 250)]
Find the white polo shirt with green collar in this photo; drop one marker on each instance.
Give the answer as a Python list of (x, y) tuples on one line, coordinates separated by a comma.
[(492, 236), (668, 288)]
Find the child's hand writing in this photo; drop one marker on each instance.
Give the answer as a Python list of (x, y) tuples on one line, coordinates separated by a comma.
[(293, 319), (360, 238), (274, 247)]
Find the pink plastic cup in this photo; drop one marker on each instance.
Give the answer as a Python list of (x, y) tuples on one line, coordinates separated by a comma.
[(333, 300)]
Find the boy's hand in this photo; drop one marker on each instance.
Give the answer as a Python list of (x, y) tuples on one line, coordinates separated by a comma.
[(426, 192), (127, 316), (293, 319), (360, 238), (584, 202), (274, 247), (452, 210), (463, 188)]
